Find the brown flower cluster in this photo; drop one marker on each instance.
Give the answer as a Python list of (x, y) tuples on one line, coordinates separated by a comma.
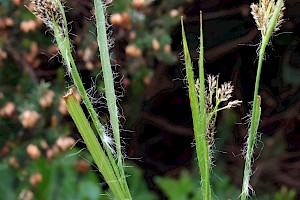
[(32, 57), (139, 4), (29, 118), (121, 19), (82, 166), (35, 179), (88, 56), (215, 95), (12, 161), (26, 195), (262, 15), (33, 151), (133, 51), (52, 152), (47, 11), (6, 22), (47, 99), (30, 25), (8, 109), (155, 45), (3, 54), (17, 2), (224, 93), (65, 143), (62, 144)]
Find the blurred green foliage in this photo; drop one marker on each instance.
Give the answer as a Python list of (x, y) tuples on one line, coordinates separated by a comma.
[(186, 187), (60, 180), (137, 184)]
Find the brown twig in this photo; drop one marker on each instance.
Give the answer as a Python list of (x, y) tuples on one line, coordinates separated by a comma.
[(223, 49), (20, 60), (242, 9), (167, 125)]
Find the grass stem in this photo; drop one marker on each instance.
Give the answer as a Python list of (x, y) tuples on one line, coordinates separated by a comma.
[(203, 120), (256, 111), (198, 114), (93, 145), (109, 86)]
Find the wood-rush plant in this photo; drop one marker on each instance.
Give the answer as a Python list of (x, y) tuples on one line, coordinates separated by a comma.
[(206, 97), (205, 103), (268, 17), (51, 12)]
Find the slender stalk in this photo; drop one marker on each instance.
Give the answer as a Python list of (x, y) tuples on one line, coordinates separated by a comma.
[(53, 15), (203, 120), (250, 145), (93, 145), (108, 76), (199, 119), (65, 49), (63, 43), (109, 86), (256, 100)]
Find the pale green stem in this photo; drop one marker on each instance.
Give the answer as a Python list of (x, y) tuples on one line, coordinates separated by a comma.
[(250, 145), (65, 49), (214, 112), (203, 121), (256, 101), (93, 145), (108, 76), (199, 119), (109, 85)]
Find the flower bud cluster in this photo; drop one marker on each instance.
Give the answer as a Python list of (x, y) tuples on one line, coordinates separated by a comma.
[(48, 11), (262, 15), (215, 95)]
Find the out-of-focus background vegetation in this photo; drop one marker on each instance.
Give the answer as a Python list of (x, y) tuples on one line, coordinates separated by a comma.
[(41, 153)]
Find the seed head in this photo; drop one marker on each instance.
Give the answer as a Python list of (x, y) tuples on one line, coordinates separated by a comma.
[(262, 15), (48, 11), (213, 96), (224, 93), (212, 83), (235, 103), (210, 133)]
